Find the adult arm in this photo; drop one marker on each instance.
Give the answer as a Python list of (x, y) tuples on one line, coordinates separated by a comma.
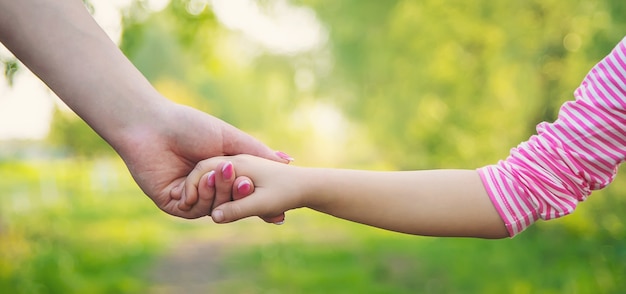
[(159, 141)]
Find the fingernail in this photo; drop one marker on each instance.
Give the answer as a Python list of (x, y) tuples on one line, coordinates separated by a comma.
[(244, 187), (211, 179), (218, 216), (284, 156), (279, 223), (227, 170)]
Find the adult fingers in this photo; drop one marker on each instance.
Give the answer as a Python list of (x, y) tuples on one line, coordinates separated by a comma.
[(238, 142), (191, 185), (277, 220)]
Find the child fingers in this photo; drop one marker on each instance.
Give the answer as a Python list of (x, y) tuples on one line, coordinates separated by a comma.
[(206, 193), (254, 205), (224, 178), (235, 210), (242, 187)]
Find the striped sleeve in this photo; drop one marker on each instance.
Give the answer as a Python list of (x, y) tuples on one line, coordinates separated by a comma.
[(548, 175)]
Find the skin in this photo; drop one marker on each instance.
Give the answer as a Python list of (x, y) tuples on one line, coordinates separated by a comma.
[(159, 141), (429, 202)]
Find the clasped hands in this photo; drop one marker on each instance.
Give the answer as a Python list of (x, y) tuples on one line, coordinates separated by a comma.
[(168, 160), (214, 182)]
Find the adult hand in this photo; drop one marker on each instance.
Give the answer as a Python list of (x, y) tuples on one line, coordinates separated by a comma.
[(160, 141), (161, 155)]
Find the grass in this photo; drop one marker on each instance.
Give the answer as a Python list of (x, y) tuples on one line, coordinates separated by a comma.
[(63, 230), (378, 262), (83, 226)]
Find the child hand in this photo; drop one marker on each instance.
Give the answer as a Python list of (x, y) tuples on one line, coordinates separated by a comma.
[(214, 182), (273, 195), (225, 189)]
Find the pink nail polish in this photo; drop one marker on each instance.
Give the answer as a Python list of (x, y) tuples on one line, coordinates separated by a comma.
[(284, 155), (211, 179), (227, 170), (244, 187)]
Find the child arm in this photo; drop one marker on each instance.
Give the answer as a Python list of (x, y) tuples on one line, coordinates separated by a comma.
[(431, 203)]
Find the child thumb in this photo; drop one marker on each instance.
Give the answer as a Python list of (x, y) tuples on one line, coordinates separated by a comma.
[(233, 211)]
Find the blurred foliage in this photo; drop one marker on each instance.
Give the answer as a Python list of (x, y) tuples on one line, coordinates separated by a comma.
[(11, 66), (397, 85), (73, 227), (89, 6), (379, 262), (70, 135), (429, 79)]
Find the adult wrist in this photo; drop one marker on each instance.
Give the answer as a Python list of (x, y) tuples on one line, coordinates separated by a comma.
[(146, 116)]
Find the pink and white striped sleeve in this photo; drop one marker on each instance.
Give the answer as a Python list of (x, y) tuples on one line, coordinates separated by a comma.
[(548, 175)]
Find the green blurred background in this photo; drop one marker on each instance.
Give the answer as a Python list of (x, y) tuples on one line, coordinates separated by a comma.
[(386, 85)]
